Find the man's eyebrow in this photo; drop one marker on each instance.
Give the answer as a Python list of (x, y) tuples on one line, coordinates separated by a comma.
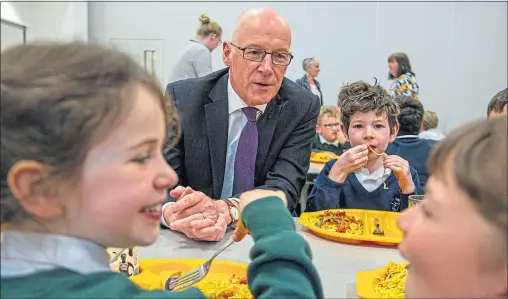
[(258, 46)]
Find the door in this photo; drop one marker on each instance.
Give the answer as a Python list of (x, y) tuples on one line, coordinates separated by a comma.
[(12, 34), (149, 53)]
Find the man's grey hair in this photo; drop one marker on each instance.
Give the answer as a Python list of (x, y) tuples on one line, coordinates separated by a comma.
[(307, 62)]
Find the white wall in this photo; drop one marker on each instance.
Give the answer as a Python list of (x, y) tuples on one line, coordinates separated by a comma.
[(458, 50), (64, 21)]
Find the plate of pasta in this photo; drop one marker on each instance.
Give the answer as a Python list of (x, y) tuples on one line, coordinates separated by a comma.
[(322, 157), (354, 226), (225, 280), (385, 282)]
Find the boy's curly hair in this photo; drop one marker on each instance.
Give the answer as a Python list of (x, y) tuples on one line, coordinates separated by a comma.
[(361, 96)]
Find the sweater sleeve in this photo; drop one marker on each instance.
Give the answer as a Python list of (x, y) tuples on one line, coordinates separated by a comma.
[(326, 193), (281, 264)]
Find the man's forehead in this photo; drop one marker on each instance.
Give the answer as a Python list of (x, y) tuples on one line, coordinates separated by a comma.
[(263, 26), (262, 35)]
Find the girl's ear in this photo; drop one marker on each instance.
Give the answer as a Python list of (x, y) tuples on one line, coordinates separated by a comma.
[(26, 180)]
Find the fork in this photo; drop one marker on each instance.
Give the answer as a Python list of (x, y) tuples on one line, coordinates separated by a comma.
[(179, 283)]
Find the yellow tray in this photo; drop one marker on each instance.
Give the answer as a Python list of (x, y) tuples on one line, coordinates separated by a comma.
[(387, 222), (365, 281), (155, 272), (322, 157)]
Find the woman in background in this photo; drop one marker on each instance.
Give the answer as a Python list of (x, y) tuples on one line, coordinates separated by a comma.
[(197, 58), (429, 127), (399, 69), (308, 81)]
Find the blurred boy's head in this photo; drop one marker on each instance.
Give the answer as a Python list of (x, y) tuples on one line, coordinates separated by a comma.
[(328, 124), (411, 115), (463, 217), (498, 104), (369, 115), (430, 120)]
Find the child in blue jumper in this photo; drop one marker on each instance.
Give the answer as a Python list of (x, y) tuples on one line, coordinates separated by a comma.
[(364, 177)]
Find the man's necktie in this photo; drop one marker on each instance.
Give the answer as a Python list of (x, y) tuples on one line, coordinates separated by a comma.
[(245, 159)]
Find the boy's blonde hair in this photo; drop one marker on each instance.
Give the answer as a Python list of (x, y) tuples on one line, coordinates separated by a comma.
[(430, 120), (361, 96), (58, 100), (330, 111), (208, 27), (477, 153)]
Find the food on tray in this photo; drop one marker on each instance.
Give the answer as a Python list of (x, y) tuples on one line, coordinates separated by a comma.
[(235, 287), (322, 157), (391, 284), (339, 222)]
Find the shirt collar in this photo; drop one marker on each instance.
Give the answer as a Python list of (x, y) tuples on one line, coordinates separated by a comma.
[(376, 175), (323, 140), (236, 103), (196, 40), (406, 136), (24, 253)]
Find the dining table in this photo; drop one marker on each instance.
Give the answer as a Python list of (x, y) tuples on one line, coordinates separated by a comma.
[(337, 263)]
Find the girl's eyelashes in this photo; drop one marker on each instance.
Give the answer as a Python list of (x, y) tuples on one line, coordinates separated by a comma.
[(142, 159)]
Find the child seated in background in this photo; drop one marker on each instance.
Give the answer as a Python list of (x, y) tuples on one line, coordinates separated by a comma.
[(407, 144), (82, 169), (329, 137), (428, 129), (358, 178)]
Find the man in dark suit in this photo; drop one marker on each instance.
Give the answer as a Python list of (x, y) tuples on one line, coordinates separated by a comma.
[(244, 127)]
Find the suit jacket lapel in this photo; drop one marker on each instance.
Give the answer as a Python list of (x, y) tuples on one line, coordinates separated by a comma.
[(266, 128), (217, 120)]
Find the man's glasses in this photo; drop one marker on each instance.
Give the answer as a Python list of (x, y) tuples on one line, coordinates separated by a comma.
[(258, 55)]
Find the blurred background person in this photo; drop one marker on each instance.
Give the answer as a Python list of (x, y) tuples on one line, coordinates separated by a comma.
[(498, 105), (308, 81), (429, 127), (196, 60), (399, 70), (408, 144), (329, 137)]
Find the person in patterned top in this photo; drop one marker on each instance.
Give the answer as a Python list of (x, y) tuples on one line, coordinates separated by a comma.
[(404, 78)]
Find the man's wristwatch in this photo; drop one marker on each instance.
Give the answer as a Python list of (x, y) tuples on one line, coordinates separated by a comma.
[(233, 210)]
